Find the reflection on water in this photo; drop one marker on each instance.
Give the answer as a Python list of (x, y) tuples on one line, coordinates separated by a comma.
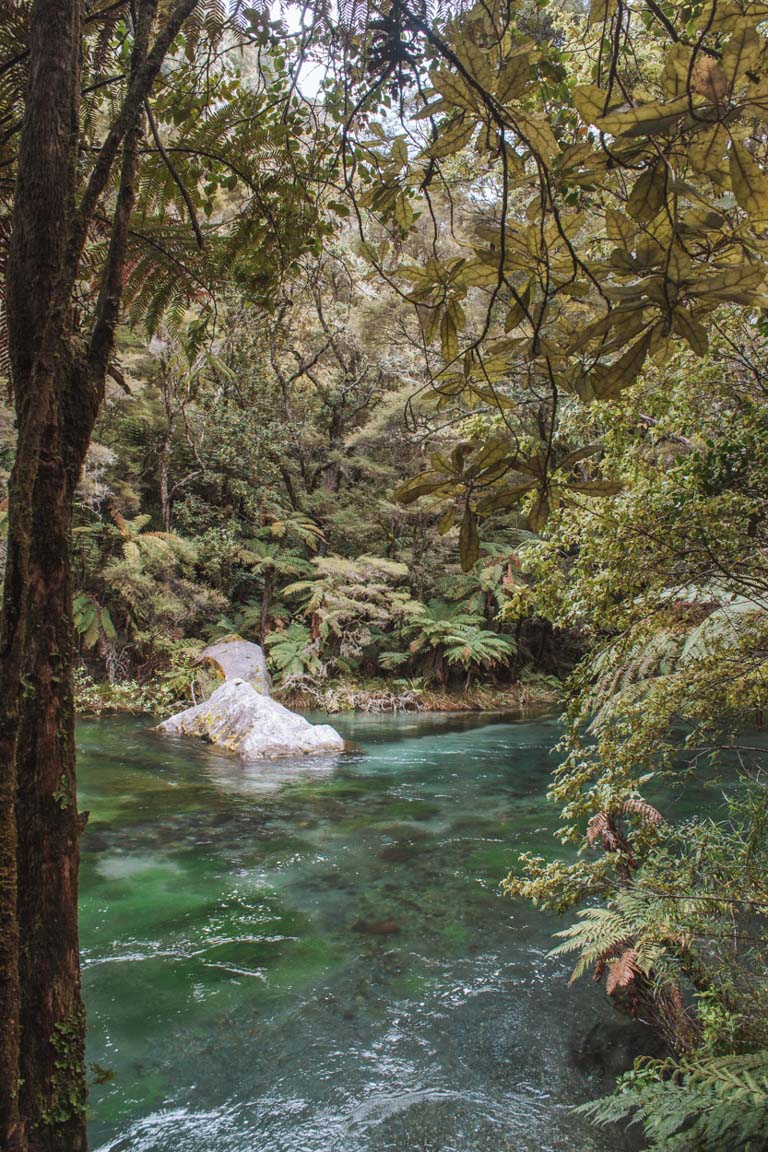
[(314, 957)]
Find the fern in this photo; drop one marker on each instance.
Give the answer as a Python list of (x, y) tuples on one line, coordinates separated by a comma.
[(714, 1105), (292, 652), (628, 935)]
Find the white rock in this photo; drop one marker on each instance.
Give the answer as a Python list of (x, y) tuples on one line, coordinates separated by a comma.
[(240, 719), (238, 659)]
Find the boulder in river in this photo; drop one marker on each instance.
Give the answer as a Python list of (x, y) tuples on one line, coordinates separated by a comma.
[(233, 658), (239, 719)]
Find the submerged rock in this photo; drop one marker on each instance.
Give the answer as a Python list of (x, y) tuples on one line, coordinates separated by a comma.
[(240, 719), (376, 927), (236, 659)]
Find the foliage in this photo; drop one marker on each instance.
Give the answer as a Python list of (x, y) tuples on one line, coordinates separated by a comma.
[(709, 1104), (444, 634), (668, 584), (292, 653)]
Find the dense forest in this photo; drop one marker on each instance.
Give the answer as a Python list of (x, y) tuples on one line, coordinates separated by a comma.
[(428, 348), (249, 487)]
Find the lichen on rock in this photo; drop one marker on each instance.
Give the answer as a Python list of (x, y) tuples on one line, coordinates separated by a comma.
[(238, 718)]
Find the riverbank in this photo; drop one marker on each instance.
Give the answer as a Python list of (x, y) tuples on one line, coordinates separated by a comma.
[(534, 693)]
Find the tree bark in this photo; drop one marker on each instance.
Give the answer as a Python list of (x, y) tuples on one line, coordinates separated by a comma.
[(58, 380), (51, 1060), (164, 462), (266, 601), (38, 309)]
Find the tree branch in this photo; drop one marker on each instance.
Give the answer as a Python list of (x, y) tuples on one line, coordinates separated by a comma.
[(176, 178), (140, 85)]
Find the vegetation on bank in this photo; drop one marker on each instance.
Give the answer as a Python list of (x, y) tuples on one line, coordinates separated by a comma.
[(158, 697)]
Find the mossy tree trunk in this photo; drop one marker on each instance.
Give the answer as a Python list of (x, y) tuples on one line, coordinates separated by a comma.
[(39, 843), (58, 374)]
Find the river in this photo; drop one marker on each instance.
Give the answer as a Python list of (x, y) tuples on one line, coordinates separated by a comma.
[(320, 960)]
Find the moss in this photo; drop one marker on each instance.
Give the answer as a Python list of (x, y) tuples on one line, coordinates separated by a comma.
[(67, 1092), (63, 794)]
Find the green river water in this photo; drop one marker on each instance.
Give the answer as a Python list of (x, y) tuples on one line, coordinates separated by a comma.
[(316, 957)]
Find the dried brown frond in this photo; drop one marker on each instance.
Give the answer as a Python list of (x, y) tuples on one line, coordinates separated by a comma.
[(622, 971), (635, 806)]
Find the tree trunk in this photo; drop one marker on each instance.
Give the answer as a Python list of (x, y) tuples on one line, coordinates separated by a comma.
[(51, 1063), (163, 482), (266, 602), (58, 385), (39, 309), (164, 467)]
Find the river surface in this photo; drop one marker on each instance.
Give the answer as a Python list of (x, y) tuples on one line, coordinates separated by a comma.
[(318, 959)]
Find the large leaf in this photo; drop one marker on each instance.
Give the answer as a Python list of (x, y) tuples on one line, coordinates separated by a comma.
[(742, 53), (425, 484), (708, 150), (750, 185), (601, 10), (452, 137), (605, 382), (650, 119), (590, 102), (537, 134), (649, 193)]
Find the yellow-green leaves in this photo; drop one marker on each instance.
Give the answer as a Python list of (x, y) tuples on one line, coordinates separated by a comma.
[(603, 382), (691, 330), (649, 119), (536, 133), (513, 78), (649, 192), (453, 136), (453, 87), (750, 184), (590, 102), (742, 54), (708, 151), (601, 11)]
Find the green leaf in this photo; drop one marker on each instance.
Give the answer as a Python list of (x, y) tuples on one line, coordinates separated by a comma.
[(453, 87), (537, 134), (476, 61), (449, 340), (738, 284), (590, 102), (539, 513), (513, 78), (403, 212), (422, 485), (595, 487), (606, 382), (446, 521), (600, 11), (649, 193), (749, 183), (742, 53), (518, 310), (691, 330), (649, 119), (452, 137), (508, 497), (708, 150)]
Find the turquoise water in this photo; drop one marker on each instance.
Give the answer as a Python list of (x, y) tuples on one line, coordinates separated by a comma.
[(316, 957)]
